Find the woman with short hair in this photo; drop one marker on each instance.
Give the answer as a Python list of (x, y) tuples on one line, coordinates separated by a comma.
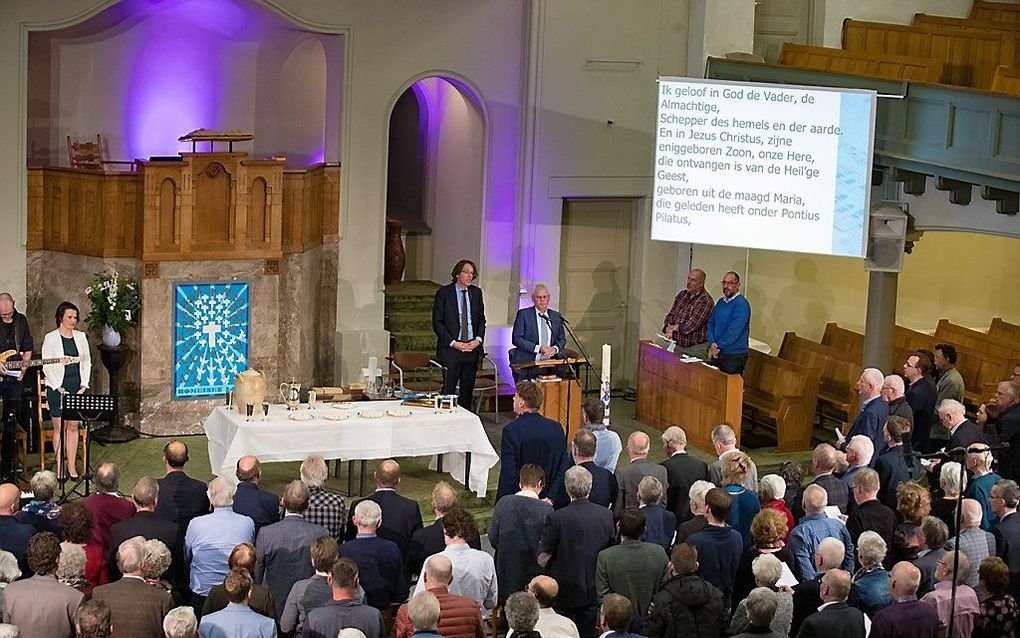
[(771, 493), (41, 512), (870, 592), (1000, 614)]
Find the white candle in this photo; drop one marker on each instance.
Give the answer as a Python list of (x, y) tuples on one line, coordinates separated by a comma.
[(606, 361), (373, 366)]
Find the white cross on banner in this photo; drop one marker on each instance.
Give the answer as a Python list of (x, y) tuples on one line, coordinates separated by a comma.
[(210, 331)]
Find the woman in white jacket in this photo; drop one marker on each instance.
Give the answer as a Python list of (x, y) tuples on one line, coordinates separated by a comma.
[(62, 380)]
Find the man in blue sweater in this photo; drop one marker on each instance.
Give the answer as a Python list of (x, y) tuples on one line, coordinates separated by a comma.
[(728, 327), (719, 545)]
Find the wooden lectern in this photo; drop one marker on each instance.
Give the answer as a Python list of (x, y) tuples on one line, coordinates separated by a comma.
[(561, 397)]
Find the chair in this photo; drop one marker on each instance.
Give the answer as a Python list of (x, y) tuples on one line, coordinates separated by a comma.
[(89, 155), (43, 404), (487, 383), (415, 371)]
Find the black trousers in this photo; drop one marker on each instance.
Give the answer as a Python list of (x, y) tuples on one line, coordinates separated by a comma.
[(461, 368), (731, 363), (10, 393)]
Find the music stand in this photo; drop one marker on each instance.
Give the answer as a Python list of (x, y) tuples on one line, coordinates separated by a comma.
[(87, 408)]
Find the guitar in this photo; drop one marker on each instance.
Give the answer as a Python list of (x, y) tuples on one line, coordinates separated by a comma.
[(17, 364)]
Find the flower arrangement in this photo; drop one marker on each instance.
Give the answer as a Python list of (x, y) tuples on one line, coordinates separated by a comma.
[(115, 301)]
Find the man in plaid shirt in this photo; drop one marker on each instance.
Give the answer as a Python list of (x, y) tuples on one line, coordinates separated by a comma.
[(324, 508), (687, 321)]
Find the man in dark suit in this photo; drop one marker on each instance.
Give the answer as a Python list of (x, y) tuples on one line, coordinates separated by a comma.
[(615, 617), (181, 498), (1007, 397), (427, 541), (682, 470), (401, 517), (874, 411), (146, 524), (835, 619), (571, 541), (934, 534), (920, 396), (284, 549), (538, 333), (892, 466), (1005, 498), (257, 504), (136, 608), (381, 569), (14, 534), (962, 431), (458, 319), (603, 482), (823, 464), (807, 594), (531, 438)]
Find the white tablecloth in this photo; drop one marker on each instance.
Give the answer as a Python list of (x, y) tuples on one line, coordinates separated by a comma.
[(280, 438)]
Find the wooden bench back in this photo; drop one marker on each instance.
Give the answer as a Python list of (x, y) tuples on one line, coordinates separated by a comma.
[(795, 391), (1004, 330), (999, 12), (978, 342), (848, 342), (838, 372), (861, 63), (970, 55), (1006, 80)]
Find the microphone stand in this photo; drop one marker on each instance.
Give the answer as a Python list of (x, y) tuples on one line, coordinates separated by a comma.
[(580, 348)]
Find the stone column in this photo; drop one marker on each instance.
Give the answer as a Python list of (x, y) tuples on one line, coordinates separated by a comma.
[(881, 320), (718, 27)]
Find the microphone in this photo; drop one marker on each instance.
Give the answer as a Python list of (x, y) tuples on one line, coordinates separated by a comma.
[(563, 319), (548, 322), (990, 447)]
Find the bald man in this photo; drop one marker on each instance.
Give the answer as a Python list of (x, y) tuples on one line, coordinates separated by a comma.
[(459, 616), (893, 393), (401, 517), (550, 624), (975, 542), (14, 534), (629, 475), (538, 333), (687, 320), (835, 618), (907, 617), (874, 411), (261, 506)]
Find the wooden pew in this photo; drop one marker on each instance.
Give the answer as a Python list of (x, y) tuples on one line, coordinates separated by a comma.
[(861, 63), (999, 12), (978, 342), (1004, 330), (846, 341), (837, 392), (1006, 80), (965, 24), (970, 55), (785, 393)]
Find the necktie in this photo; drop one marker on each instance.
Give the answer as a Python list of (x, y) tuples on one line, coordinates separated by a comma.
[(543, 330), (463, 316)]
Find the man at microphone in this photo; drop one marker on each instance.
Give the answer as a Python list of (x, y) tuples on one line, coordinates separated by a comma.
[(538, 333)]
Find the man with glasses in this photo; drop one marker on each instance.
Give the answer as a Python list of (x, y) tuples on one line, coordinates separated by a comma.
[(729, 327), (1005, 496), (537, 335), (1007, 397), (920, 395), (458, 319), (892, 394)]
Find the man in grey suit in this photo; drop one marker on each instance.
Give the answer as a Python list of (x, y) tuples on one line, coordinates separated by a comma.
[(136, 608), (284, 549), (629, 476), (42, 606)]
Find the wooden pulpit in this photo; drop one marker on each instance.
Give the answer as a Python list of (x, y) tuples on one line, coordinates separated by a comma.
[(561, 399)]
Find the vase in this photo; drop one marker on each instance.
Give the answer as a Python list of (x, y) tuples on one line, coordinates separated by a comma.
[(111, 337), (393, 266), (249, 387)]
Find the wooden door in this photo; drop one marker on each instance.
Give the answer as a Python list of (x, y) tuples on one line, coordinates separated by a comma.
[(779, 21), (595, 275)]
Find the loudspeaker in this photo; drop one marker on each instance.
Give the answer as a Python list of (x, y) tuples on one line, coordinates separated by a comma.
[(887, 233)]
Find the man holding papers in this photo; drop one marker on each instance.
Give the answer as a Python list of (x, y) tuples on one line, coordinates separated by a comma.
[(538, 332), (686, 323)]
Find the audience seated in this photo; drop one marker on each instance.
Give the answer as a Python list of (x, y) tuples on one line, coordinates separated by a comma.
[(285, 548), (259, 598), (515, 531), (345, 610), (1000, 614), (975, 542), (423, 615), (814, 527), (1007, 399), (1005, 497), (237, 619), (660, 523), (41, 512), (522, 614), (735, 468), (14, 534), (458, 616), (211, 538), (71, 569), (633, 568), (427, 541), (767, 530), (180, 622), (616, 617), (725, 443), (182, 498), (92, 620), (262, 507), (761, 606), (531, 438), (687, 606), (629, 475), (766, 569), (76, 528), (807, 596), (401, 517), (474, 572), (146, 524), (550, 624), (325, 508), (906, 616), (869, 513), (771, 489), (571, 541), (379, 564), (604, 490), (607, 443), (106, 505), (860, 451), (979, 488), (823, 464), (310, 593), (934, 535), (699, 510), (870, 589), (136, 608), (41, 605), (682, 470), (719, 545), (835, 617), (966, 609), (893, 465)]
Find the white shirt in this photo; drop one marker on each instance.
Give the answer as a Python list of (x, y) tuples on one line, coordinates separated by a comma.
[(552, 625), (474, 576)]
